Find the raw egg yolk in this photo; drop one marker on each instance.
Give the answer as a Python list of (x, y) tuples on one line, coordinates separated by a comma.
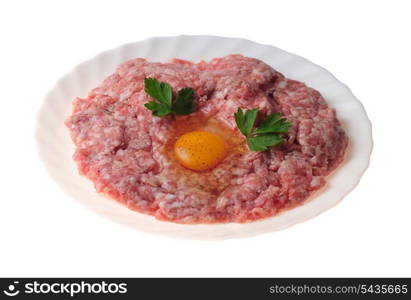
[(200, 150)]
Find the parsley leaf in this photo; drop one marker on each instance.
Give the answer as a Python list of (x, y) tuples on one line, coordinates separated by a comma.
[(275, 124), (250, 117), (184, 103), (239, 120), (162, 92), (245, 122), (263, 142), (267, 134), (158, 109)]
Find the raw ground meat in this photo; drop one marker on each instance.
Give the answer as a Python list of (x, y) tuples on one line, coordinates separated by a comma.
[(125, 151)]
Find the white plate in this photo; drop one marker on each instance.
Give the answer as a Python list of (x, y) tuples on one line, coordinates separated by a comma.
[(56, 148)]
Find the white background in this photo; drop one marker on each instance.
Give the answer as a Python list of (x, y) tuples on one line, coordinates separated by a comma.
[(365, 44)]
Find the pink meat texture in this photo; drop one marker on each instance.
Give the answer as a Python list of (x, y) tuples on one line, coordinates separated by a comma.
[(121, 147)]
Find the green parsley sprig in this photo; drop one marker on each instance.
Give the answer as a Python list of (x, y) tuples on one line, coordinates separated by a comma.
[(267, 134), (183, 104)]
